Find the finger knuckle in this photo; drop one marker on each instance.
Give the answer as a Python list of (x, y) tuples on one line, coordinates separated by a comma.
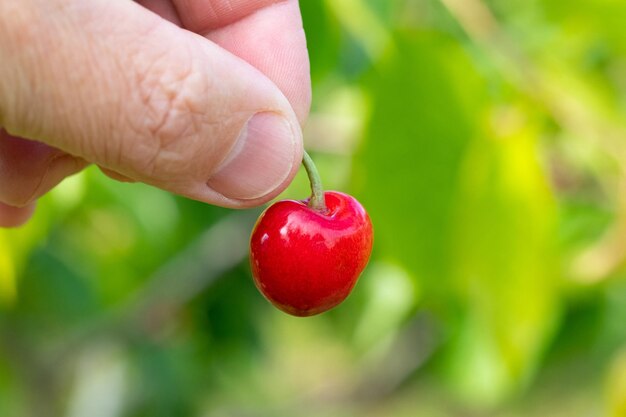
[(170, 95)]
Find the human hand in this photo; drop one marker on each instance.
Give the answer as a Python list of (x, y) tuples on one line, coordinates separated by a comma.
[(203, 98)]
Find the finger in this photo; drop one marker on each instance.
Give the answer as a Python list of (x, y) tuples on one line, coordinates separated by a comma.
[(29, 169), (266, 33), (203, 16), (131, 92), (163, 8), (15, 216), (115, 175), (26, 163)]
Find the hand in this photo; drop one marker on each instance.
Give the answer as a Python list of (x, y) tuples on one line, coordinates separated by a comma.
[(203, 98)]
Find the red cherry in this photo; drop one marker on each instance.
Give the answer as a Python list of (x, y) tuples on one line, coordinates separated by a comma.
[(306, 261)]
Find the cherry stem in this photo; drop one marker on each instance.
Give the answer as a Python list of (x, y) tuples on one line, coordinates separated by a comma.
[(317, 201)]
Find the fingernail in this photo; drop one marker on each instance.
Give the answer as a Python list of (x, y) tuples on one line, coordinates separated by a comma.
[(260, 161)]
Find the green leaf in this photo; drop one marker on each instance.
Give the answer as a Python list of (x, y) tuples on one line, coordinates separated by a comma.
[(8, 274), (406, 172), (616, 386), (506, 265)]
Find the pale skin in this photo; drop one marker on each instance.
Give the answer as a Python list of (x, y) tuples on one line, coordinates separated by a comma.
[(202, 98)]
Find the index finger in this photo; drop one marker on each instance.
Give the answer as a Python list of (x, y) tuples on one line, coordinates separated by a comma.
[(266, 33), (202, 16)]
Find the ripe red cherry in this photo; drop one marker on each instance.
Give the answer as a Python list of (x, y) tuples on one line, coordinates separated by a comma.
[(306, 260)]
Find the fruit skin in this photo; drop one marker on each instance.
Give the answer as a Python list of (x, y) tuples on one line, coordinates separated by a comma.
[(306, 262)]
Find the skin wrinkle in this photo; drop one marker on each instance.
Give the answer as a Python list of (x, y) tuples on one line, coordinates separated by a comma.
[(188, 131), (207, 24), (146, 85), (174, 142), (58, 7), (166, 140), (117, 69), (170, 107), (5, 10), (62, 13), (136, 46), (206, 32), (168, 117), (22, 38), (211, 7), (112, 149), (119, 111), (89, 47)]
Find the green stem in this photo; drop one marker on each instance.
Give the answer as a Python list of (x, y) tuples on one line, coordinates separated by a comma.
[(317, 201)]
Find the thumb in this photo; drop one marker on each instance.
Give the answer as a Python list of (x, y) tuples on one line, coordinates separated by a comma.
[(116, 85)]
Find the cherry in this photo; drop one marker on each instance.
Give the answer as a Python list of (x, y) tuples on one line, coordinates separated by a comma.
[(306, 256)]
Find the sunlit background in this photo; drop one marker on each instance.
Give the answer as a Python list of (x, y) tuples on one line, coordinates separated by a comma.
[(487, 139)]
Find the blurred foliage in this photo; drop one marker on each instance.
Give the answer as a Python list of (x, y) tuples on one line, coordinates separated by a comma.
[(487, 139)]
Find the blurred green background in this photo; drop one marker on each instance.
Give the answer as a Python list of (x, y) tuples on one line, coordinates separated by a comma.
[(487, 139)]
